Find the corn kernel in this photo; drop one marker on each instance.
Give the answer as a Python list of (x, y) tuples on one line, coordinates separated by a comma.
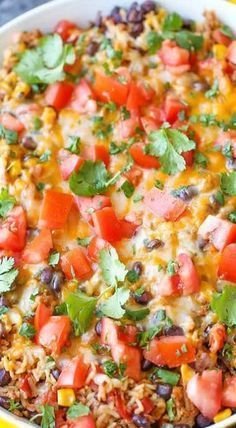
[(21, 90), (222, 415), (49, 116), (187, 373), (15, 168), (65, 397), (219, 51)]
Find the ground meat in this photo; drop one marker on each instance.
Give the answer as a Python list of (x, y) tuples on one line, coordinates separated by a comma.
[(185, 410)]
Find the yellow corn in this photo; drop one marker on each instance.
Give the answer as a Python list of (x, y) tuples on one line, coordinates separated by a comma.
[(219, 51), (15, 168), (65, 397), (187, 373), (222, 415), (49, 116), (21, 90)]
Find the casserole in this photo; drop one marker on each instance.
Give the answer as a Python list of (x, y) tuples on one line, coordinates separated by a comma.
[(42, 18)]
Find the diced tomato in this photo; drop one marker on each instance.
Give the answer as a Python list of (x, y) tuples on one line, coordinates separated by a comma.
[(60, 419), (68, 163), (55, 333), (170, 351), (227, 137), (13, 230), (59, 94), (172, 108), (231, 54), (97, 152), (49, 397), (74, 263), (173, 55), (221, 38), (189, 278), (188, 157), (55, 209), (128, 334), (141, 158), (108, 88), (227, 263), (95, 246), (148, 405), (86, 205), (42, 315), (25, 386), (64, 28), (205, 392), (134, 175), (130, 356), (38, 249), (164, 205), (74, 374), (217, 337), (83, 422), (120, 405), (127, 228), (139, 95), (11, 123), (229, 392), (128, 127), (107, 225), (109, 334), (218, 231), (169, 285), (83, 99)]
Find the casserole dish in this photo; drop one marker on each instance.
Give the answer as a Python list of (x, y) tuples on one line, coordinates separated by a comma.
[(44, 18)]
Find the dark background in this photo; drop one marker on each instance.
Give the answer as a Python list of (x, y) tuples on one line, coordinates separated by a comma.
[(11, 8)]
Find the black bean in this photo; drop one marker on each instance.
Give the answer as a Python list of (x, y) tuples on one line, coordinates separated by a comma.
[(5, 377), (92, 48), (136, 29), (56, 282), (5, 402), (29, 143), (164, 390), (135, 13), (46, 275), (231, 164), (56, 373), (143, 299), (186, 193), (148, 6), (188, 24), (202, 422), (140, 421), (174, 330), (200, 86), (153, 244), (201, 243), (146, 365), (181, 426), (116, 15), (3, 301), (138, 268), (98, 328)]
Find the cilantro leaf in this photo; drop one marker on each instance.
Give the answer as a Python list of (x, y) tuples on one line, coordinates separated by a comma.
[(114, 148), (27, 330), (214, 91), (136, 314), (77, 410), (74, 144), (224, 304), (45, 63), (200, 159), (232, 216), (11, 137), (54, 258), (113, 270), (167, 145), (228, 183), (189, 40), (48, 416), (80, 309), (8, 273), (90, 180), (172, 22), (154, 41), (128, 188), (84, 242), (112, 307), (7, 202), (3, 310), (226, 30)]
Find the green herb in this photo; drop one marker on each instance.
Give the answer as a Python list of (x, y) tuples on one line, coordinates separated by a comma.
[(219, 197), (136, 314), (27, 330), (128, 188), (187, 40), (228, 351), (139, 291), (172, 378), (172, 22), (34, 294), (74, 144), (113, 306), (226, 30), (228, 183), (232, 216), (227, 150), (7, 202), (167, 145), (40, 186), (112, 107), (3, 310), (170, 409), (132, 276), (11, 137), (114, 55), (90, 180), (50, 363), (37, 123), (77, 410), (8, 273), (200, 159), (54, 258), (125, 114), (159, 185), (110, 368), (48, 416), (145, 337), (214, 91), (137, 198), (45, 63), (172, 267), (14, 406), (113, 271), (80, 309), (115, 148), (224, 305), (45, 157), (154, 41), (61, 309), (84, 242)]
